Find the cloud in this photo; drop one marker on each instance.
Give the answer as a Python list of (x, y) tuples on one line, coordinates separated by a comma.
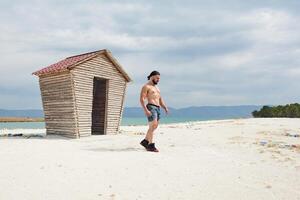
[(209, 53)]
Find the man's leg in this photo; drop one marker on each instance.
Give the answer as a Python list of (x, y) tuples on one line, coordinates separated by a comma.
[(152, 126), (153, 123)]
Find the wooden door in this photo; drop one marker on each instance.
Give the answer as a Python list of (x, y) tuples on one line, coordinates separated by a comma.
[(99, 106)]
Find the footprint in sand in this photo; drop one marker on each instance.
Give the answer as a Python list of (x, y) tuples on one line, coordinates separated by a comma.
[(138, 133), (268, 186), (276, 151), (261, 151), (274, 157), (288, 159)]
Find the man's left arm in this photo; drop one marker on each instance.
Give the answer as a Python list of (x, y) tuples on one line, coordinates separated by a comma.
[(162, 103)]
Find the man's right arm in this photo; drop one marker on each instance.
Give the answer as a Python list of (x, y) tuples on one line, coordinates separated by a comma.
[(143, 96)]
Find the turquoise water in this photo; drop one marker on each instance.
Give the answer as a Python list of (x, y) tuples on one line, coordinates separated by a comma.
[(16, 125), (125, 122), (165, 120)]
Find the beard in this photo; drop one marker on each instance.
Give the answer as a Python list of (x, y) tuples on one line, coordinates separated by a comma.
[(154, 82)]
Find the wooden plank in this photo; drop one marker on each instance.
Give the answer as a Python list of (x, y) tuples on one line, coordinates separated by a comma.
[(58, 103), (75, 107), (83, 88)]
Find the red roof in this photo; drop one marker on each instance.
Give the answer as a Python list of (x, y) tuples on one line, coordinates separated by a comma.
[(64, 64), (71, 62)]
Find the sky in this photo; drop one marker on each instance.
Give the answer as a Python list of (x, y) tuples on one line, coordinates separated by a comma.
[(209, 53)]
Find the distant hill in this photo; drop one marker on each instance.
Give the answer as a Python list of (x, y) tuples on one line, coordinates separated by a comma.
[(200, 112), (205, 112)]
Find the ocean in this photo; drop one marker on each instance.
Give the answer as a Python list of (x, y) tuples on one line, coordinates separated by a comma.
[(126, 121)]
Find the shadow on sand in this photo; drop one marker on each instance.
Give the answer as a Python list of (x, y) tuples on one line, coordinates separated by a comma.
[(103, 149)]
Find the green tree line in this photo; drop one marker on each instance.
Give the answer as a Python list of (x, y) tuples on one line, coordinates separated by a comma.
[(289, 110)]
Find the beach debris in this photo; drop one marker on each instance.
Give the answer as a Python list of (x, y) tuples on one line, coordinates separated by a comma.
[(7, 133), (292, 134), (279, 144), (18, 134), (188, 126), (263, 143), (27, 135), (11, 135), (34, 135)]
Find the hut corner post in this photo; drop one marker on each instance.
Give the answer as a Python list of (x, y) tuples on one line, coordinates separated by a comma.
[(42, 98), (122, 107), (77, 135)]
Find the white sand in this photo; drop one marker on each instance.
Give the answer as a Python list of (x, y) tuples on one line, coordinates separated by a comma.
[(226, 159)]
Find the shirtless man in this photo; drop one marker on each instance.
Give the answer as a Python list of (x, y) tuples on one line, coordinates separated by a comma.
[(152, 110)]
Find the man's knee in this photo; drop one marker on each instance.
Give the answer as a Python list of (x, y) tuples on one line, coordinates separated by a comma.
[(154, 124)]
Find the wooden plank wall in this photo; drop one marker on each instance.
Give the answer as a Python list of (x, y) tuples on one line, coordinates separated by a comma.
[(83, 76), (58, 104)]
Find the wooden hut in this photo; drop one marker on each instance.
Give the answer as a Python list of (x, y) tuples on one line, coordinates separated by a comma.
[(83, 95)]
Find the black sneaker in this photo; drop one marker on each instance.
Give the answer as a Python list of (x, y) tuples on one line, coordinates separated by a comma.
[(151, 147), (144, 143)]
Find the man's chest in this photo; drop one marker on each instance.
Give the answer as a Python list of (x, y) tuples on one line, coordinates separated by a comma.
[(154, 91)]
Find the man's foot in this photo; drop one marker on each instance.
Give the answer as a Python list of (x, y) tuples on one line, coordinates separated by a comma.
[(151, 147), (144, 143)]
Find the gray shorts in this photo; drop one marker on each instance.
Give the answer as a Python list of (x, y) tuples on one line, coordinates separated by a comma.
[(155, 112)]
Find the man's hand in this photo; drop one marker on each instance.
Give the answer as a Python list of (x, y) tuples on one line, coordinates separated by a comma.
[(148, 113), (166, 110), (162, 103)]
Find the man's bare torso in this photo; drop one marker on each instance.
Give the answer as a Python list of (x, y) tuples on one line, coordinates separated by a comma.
[(153, 94)]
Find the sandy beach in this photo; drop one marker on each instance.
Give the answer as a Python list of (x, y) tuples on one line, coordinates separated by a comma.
[(223, 159)]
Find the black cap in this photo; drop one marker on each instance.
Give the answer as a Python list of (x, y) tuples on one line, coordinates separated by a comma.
[(153, 73)]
